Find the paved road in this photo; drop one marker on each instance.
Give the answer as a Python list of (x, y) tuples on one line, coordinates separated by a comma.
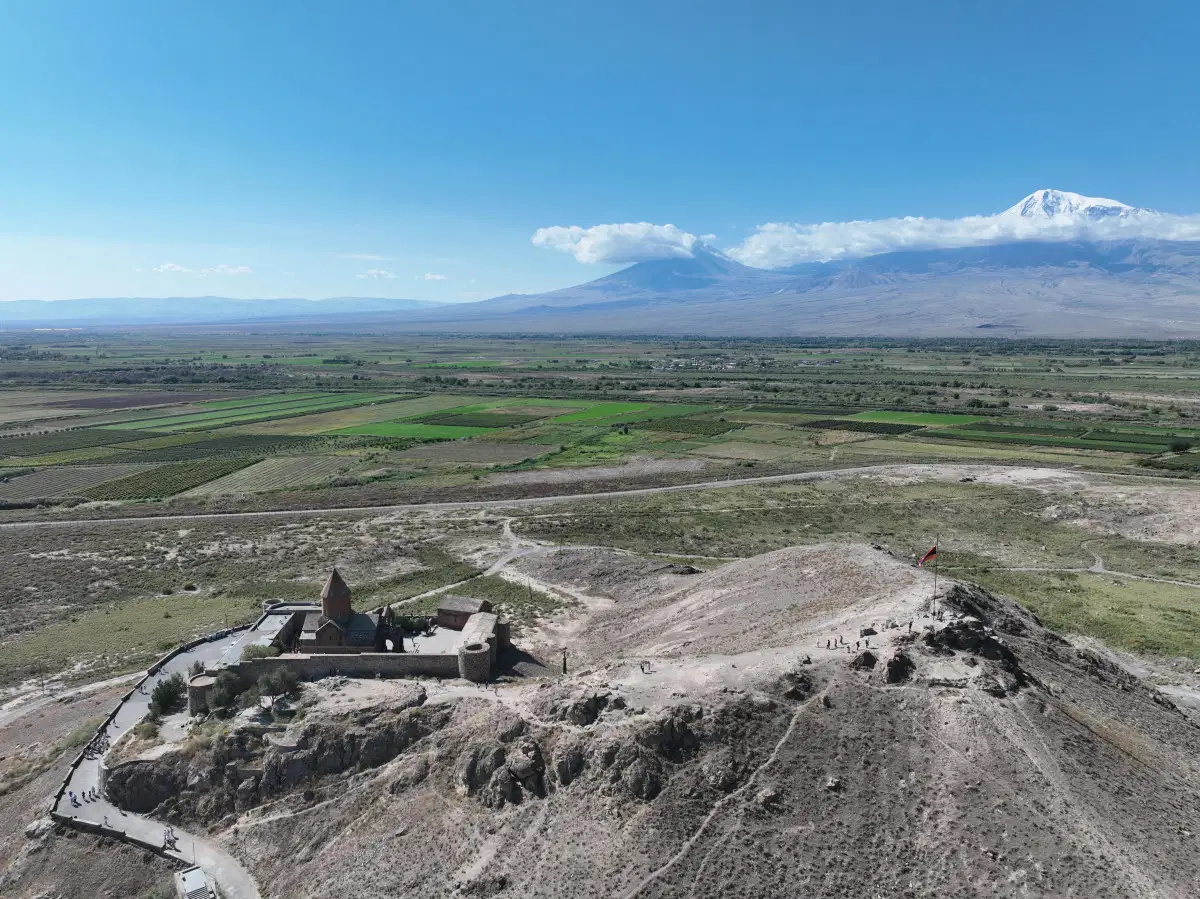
[(823, 474), (482, 503), (234, 881)]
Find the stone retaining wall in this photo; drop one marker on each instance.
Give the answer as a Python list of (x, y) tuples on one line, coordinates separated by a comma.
[(114, 834), (362, 664)]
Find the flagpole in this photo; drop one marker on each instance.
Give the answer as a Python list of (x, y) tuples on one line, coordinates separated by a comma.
[(936, 541)]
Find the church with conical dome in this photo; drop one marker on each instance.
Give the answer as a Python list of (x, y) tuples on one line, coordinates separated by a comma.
[(337, 628)]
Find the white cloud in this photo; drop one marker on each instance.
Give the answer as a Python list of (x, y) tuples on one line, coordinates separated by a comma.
[(432, 276), (376, 274), (778, 244), (618, 244), (172, 268)]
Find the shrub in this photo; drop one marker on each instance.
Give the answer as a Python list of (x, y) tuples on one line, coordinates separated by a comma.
[(1180, 446), (278, 683), (225, 691), (167, 694), (258, 651)]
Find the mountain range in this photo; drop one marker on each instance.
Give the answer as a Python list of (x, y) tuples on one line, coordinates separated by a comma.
[(1080, 286), (189, 310)]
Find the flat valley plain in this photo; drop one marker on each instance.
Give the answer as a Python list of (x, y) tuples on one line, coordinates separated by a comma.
[(156, 486)]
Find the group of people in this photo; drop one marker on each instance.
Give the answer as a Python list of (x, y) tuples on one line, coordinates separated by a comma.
[(89, 796), (170, 841), (839, 641), (98, 746)]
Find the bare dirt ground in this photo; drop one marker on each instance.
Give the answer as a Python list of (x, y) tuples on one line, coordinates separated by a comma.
[(1125, 506), (723, 733)]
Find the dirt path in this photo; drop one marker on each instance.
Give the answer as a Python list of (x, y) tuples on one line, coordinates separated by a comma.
[(720, 806), (29, 701)]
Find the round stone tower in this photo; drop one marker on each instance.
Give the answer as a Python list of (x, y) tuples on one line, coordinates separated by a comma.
[(475, 662), (335, 598)]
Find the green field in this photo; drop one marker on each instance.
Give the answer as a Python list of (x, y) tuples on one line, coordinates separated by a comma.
[(603, 410), (477, 419)]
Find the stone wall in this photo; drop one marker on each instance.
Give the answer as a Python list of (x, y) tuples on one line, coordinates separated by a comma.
[(362, 664)]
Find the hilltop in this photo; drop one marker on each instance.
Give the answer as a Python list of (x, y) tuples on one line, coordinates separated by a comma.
[(706, 740)]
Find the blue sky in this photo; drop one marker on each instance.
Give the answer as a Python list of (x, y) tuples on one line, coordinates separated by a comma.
[(269, 149)]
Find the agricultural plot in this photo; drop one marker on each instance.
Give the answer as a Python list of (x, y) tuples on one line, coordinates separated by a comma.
[(280, 473), (653, 412), (1182, 462), (60, 441), (414, 430), (1100, 444), (163, 441), (477, 419), (741, 450), (251, 411), (132, 400), (787, 436), (598, 411), (922, 419), (325, 422), (71, 480), (704, 427), (478, 452), (68, 457), (166, 480), (237, 445), (778, 409), (866, 427)]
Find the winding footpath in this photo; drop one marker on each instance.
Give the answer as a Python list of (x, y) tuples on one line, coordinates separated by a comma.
[(233, 880)]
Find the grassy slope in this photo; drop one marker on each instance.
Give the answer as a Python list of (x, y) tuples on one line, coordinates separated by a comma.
[(984, 530)]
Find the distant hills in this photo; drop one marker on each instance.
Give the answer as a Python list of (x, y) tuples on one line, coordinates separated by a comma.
[(1070, 282), (189, 310)]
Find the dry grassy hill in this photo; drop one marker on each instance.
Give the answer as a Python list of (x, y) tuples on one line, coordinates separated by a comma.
[(707, 743)]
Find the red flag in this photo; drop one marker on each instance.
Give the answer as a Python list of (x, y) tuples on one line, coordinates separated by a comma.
[(932, 554)]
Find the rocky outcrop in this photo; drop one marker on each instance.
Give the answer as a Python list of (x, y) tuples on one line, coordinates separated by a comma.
[(864, 661), (141, 786), (899, 667), (322, 750), (580, 709)]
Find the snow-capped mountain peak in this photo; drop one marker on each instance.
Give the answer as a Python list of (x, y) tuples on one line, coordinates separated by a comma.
[(1064, 206)]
